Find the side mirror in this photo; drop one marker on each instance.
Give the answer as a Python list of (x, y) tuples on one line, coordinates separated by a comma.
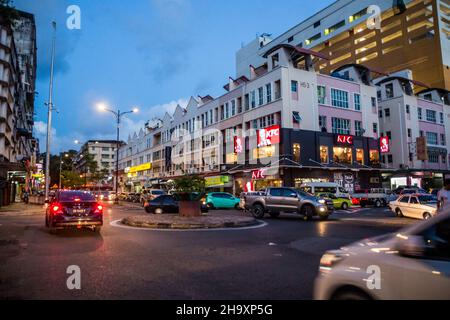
[(412, 247)]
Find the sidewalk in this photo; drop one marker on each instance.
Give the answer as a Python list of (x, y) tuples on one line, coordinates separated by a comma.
[(21, 209)]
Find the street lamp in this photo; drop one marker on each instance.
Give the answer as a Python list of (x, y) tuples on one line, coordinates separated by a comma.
[(60, 168), (118, 114)]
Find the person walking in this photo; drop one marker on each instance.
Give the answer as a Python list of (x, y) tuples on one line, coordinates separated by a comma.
[(444, 196)]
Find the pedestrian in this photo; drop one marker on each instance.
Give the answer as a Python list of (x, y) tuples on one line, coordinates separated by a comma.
[(444, 196)]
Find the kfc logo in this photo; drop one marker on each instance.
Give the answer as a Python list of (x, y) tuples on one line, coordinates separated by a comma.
[(238, 145), (384, 145), (258, 174), (268, 136), (344, 139)]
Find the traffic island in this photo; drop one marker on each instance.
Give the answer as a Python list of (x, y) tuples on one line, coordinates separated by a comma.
[(177, 222)]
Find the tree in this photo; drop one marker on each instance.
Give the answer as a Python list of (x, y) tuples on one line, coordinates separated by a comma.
[(7, 13), (189, 190)]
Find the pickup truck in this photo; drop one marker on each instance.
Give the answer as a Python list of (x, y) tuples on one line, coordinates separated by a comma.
[(375, 197), (276, 200)]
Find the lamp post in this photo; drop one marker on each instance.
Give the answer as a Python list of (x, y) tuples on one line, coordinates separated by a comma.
[(60, 168), (118, 115)]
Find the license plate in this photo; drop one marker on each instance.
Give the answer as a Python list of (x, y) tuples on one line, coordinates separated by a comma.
[(78, 211)]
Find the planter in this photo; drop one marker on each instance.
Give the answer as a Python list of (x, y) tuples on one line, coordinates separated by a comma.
[(190, 208)]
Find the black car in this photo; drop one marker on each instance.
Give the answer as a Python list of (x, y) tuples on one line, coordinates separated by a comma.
[(74, 209), (165, 204)]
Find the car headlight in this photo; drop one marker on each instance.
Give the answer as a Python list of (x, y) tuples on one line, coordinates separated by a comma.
[(330, 260), (322, 201)]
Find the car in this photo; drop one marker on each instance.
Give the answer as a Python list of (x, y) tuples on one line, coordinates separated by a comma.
[(104, 196), (338, 202), (166, 204), (417, 206), (412, 191), (73, 209), (412, 264), (222, 200), (317, 188), (148, 195), (276, 200)]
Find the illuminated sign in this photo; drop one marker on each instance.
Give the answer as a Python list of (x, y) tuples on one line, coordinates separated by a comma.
[(344, 139), (142, 167), (216, 181), (238, 145), (269, 136), (384, 145), (258, 174)]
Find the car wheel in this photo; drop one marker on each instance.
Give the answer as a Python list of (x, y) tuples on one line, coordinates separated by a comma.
[(258, 211), (274, 215), (399, 213), (237, 207), (210, 206), (307, 211), (378, 204), (427, 216), (345, 206), (148, 210), (159, 211), (351, 295)]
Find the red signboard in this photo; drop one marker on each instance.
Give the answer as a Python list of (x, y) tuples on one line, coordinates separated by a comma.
[(269, 136), (238, 145), (384, 145), (344, 139), (258, 174)]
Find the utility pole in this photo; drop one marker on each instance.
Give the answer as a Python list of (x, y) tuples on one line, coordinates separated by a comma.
[(49, 117)]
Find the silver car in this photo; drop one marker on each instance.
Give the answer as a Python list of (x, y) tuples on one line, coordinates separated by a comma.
[(416, 206)]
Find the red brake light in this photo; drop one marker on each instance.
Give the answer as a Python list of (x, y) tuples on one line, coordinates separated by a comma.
[(98, 208), (77, 200), (56, 208)]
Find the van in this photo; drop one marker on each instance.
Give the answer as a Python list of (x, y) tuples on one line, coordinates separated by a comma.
[(325, 187)]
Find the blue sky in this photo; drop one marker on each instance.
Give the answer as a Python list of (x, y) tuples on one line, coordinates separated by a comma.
[(147, 53)]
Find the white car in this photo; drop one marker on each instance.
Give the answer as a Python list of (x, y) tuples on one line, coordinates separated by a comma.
[(417, 206), (413, 264)]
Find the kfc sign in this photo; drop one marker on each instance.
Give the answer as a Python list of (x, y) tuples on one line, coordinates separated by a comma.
[(238, 145), (384, 145), (268, 136), (344, 139), (258, 174)]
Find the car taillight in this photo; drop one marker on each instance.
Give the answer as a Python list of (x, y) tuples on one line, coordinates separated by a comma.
[(57, 208), (98, 208)]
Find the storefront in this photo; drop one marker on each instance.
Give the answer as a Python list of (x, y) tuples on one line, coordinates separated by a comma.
[(426, 179), (136, 177), (222, 183)]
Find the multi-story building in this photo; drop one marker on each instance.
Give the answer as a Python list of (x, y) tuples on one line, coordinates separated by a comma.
[(285, 124), (18, 148), (417, 127), (413, 34), (103, 153)]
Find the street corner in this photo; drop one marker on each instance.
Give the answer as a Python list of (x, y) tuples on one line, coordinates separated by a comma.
[(177, 222)]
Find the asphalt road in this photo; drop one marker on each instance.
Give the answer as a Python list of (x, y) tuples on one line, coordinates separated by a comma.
[(278, 261)]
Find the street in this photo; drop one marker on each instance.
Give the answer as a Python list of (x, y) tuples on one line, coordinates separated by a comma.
[(276, 261)]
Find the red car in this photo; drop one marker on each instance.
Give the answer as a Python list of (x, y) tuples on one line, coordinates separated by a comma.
[(74, 209)]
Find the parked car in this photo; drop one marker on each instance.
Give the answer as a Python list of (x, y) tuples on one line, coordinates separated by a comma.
[(166, 204), (276, 200), (412, 264), (222, 200), (338, 202), (74, 209), (417, 206), (149, 195), (104, 196)]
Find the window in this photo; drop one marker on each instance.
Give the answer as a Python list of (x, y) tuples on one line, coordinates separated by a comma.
[(324, 155), (343, 155), (276, 192), (408, 109), (261, 96), (387, 112), (334, 27), (227, 110), (374, 157), (358, 128), (432, 138), (290, 39), (360, 156), (374, 102), (340, 126), (380, 114), (409, 133), (419, 113), (443, 140), (105, 149), (431, 116), (296, 152), (441, 117), (253, 99), (405, 199), (322, 122), (233, 108), (375, 128), (389, 135), (275, 60), (389, 90), (269, 92), (339, 98), (433, 158), (444, 159), (321, 94), (297, 117), (294, 86), (428, 97), (313, 38), (247, 102), (390, 158), (357, 102), (317, 24)]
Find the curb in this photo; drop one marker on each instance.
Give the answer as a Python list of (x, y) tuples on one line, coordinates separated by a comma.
[(189, 226)]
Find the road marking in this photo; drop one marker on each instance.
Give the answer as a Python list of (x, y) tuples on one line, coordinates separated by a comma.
[(118, 224)]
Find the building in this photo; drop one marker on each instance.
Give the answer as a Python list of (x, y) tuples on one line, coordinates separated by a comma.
[(18, 148), (417, 127), (285, 124), (413, 34)]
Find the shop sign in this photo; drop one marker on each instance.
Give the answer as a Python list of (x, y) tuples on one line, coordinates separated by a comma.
[(258, 174), (238, 145), (344, 139), (384, 145), (216, 181), (269, 136), (142, 167)]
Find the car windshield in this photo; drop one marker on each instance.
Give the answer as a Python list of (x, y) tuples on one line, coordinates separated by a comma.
[(157, 192), (427, 200), (303, 193), (72, 196)]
